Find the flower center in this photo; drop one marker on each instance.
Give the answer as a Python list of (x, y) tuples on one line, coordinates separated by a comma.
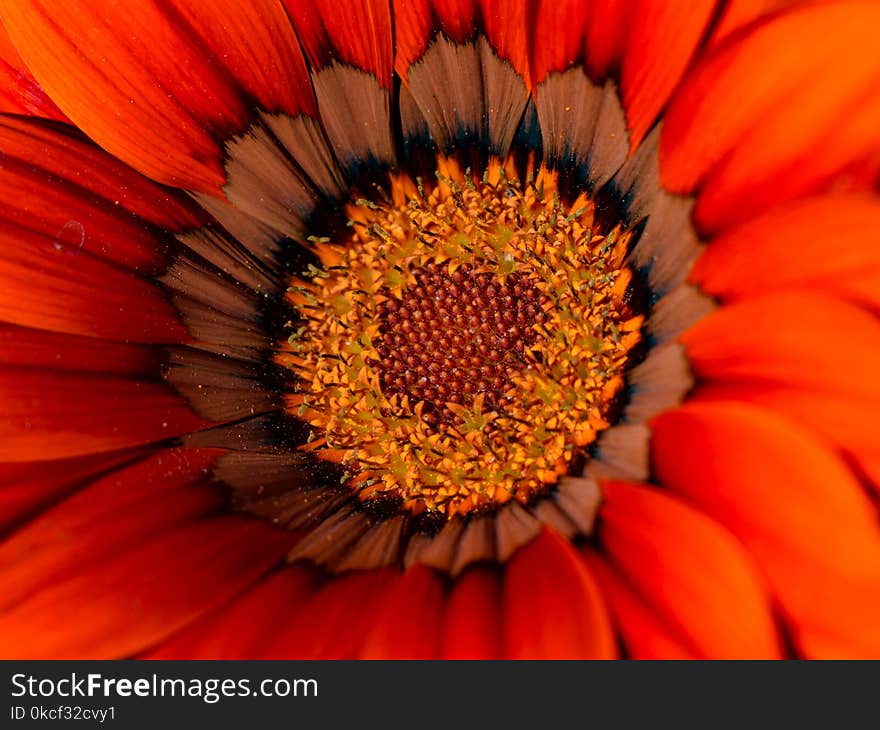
[(453, 336), (463, 346)]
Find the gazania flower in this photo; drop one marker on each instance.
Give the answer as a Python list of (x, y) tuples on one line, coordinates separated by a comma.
[(444, 328)]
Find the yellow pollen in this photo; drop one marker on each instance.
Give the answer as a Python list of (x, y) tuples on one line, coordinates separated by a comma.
[(463, 346)]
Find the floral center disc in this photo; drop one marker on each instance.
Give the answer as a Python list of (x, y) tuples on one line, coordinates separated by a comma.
[(463, 347)]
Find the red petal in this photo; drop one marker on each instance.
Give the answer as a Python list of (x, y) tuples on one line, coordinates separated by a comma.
[(27, 488), (19, 91), (161, 86), (642, 630), (334, 620), (255, 43), (408, 618), (37, 348), (553, 608), (506, 23), (662, 39), (51, 283), (818, 242), (416, 21), (472, 629), (112, 212), (141, 596), (115, 513), (689, 570), (249, 626), (774, 114), (796, 508), (558, 42), (360, 36), (52, 415), (792, 338), (606, 35)]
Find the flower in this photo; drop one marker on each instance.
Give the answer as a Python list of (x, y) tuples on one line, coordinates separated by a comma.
[(443, 328)]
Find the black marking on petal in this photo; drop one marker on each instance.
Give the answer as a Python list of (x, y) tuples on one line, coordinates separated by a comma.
[(676, 311), (356, 114), (378, 547), (437, 551), (505, 98), (229, 255), (583, 127), (447, 85), (622, 452), (658, 383), (303, 139), (668, 243), (467, 97), (267, 186), (328, 542), (292, 489), (429, 522), (515, 527), (550, 514), (477, 543), (261, 240), (579, 499), (253, 434), (414, 131), (218, 388)]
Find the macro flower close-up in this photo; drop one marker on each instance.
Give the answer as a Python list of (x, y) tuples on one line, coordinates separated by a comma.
[(439, 329)]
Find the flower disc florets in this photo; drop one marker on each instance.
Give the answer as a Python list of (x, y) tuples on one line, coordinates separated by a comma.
[(463, 347)]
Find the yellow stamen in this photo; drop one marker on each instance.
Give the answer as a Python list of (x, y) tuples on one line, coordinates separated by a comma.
[(463, 346)]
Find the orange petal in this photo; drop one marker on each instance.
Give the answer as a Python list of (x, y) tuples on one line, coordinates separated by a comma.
[(360, 36), (26, 488), (689, 570), (798, 510), (792, 338), (247, 627), (118, 511), (862, 288), (662, 39), (642, 630), (845, 421), (794, 96), (19, 91), (139, 597), (818, 242), (53, 415), (553, 608), (471, 626), (408, 620), (161, 86), (333, 621), (739, 14)]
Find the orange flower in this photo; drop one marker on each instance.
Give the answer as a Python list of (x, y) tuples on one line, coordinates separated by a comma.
[(444, 328)]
